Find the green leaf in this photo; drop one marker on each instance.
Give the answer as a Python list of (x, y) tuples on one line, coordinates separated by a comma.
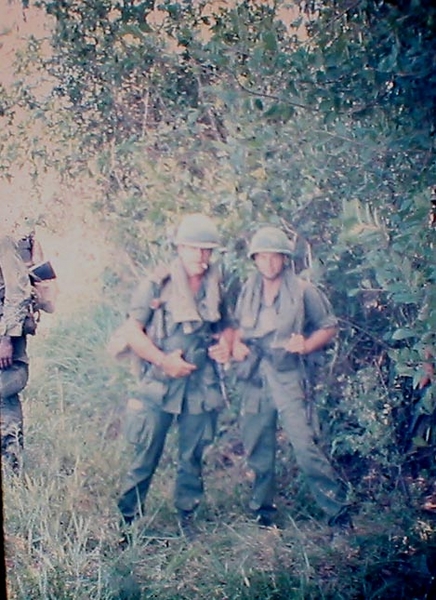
[(269, 41), (402, 334)]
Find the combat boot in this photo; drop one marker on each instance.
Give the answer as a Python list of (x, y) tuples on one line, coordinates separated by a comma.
[(186, 524)]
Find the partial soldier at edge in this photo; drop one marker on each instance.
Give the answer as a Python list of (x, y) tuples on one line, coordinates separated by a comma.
[(26, 287)]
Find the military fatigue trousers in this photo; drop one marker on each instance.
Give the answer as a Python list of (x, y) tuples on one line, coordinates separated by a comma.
[(147, 426), (12, 381), (259, 438)]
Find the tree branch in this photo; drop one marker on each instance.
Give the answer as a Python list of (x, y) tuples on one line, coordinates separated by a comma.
[(271, 96)]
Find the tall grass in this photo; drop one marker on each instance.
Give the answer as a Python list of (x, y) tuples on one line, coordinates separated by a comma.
[(61, 520)]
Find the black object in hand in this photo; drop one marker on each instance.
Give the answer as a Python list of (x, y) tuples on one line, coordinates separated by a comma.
[(42, 272)]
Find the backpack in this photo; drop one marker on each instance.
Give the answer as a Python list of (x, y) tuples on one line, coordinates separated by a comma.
[(302, 250)]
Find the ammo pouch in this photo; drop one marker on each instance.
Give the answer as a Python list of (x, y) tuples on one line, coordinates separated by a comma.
[(247, 368)]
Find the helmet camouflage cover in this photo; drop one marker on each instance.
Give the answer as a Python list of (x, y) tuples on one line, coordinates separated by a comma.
[(197, 230), (270, 239)]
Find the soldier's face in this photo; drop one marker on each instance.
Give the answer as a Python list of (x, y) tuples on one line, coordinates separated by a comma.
[(195, 260), (269, 264)]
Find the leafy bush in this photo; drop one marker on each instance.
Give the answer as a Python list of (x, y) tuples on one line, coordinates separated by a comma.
[(321, 122)]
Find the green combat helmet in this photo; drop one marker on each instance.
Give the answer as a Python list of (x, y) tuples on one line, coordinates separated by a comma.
[(270, 239), (198, 231)]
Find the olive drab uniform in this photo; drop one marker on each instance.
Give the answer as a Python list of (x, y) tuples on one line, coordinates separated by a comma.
[(174, 319), (15, 298), (273, 388)]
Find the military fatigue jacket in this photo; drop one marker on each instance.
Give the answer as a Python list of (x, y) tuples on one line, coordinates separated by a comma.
[(299, 308), (15, 295), (175, 319)]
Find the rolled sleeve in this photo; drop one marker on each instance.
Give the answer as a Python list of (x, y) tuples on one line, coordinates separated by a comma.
[(141, 302), (319, 311)]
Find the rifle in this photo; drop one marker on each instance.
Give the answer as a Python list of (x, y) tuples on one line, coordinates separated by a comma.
[(220, 370), (308, 392), (198, 356)]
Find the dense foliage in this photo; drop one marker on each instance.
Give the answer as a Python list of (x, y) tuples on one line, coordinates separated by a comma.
[(318, 116)]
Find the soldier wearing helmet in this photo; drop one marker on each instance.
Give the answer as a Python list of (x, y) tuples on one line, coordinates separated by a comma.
[(281, 320), (177, 329)]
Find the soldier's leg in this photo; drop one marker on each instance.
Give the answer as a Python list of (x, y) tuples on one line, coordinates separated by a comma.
[(12, 381), (146, 429), (259, 439), (327, 488), (196, 432), (12, 431)]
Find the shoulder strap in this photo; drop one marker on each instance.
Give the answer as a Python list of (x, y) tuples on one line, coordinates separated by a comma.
[(160, 273), (160, 276)]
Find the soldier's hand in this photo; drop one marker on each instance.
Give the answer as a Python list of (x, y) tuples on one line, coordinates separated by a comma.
[(175, 366), (46, 294), (240, 351), (296, 344), (6, 352), (220, 352)]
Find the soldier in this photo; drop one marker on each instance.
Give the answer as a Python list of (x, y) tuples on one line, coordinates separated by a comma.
[(177, 328), (281, 319), (15, 294), (16, 322)]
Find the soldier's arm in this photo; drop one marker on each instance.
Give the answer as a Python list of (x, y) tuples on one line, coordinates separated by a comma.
[(222, 350), (316, 341), (172, 364), (141, 344), (319, 321)]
